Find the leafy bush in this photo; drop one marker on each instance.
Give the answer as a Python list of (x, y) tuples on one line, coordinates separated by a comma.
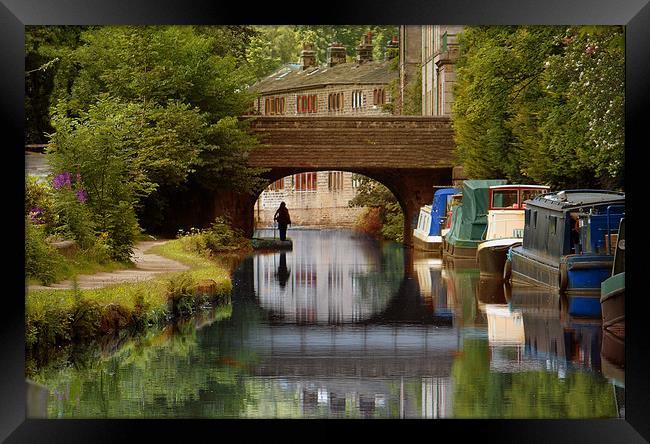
[(180, 294), (393, 225), (219, 238), (369, 221), (42, 261)]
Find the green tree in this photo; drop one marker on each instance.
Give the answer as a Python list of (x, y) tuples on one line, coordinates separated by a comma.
[(150, 109), (541, 104), (272, 47), (46, 69), (373, 194), (349, 35)]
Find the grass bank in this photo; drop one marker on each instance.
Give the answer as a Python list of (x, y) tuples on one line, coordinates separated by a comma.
[(59, 317)]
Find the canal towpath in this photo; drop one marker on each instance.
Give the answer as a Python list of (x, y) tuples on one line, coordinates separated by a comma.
[(147, 265)]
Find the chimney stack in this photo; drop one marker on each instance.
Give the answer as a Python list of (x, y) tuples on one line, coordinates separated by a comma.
[(307, 55), (392, 49), (364, 50), (335, 54)]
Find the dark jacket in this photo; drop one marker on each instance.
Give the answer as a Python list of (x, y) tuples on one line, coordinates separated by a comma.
[(282, 216)]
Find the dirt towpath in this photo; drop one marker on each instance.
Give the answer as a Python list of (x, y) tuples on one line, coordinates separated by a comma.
[(146, 267)]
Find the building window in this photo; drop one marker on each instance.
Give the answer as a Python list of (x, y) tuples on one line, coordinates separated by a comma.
[(305, 181), (358, 99), (277, 185), (274, 105), (378, 96), (306, 104), (335, 180), (335, 102)]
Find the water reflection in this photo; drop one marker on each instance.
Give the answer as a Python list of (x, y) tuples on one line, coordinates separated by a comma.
[(343, 326), (337, 277)]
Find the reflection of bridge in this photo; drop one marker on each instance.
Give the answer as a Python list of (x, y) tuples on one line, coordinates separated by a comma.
[(354, 351)]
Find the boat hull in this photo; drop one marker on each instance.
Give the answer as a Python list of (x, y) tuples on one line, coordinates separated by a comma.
[(459, 251), (492, 255), (612, 300), (430, 244), (578, 276)]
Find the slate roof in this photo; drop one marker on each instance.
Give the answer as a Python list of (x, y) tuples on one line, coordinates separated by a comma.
[(291, 77)]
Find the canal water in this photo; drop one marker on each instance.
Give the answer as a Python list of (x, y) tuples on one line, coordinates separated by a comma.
[(344, 326)]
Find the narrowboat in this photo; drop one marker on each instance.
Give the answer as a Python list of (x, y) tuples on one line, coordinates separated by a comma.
[(612, 303), (567, 245), (468, 221), (505, 225), (427, 235)]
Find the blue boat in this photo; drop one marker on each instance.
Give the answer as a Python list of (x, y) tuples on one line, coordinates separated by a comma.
[(427, 236), (567, 245)]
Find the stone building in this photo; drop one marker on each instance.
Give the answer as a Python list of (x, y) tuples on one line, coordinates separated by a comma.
[(308, 89), (434, 50), (439, 52)]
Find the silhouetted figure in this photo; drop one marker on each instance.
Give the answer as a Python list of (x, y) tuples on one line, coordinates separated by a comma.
[(283, 272), (282, 218)]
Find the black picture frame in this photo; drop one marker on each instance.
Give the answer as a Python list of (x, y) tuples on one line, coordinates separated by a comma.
[(15, 14)]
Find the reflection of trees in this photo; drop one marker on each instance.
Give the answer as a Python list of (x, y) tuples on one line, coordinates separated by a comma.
[(531, 394), (378, 286), (174, 373)]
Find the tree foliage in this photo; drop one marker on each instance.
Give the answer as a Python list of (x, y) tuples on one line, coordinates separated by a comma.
[(541, 104), (148, 109), (385, 214)]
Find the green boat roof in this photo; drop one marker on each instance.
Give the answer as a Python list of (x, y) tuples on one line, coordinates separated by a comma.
[(470, 217)]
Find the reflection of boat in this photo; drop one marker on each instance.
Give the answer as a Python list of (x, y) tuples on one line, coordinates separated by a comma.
[(427, 235), (468, 221), (491, 291), (612, 302), (567, 245), (505, 225), (505, 326), (428, 273)]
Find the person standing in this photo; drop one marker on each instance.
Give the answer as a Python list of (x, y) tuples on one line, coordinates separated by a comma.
[(282, 218)]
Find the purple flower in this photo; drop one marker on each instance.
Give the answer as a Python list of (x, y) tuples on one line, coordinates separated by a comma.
[(35, 215), (81, 195), (63, 179)]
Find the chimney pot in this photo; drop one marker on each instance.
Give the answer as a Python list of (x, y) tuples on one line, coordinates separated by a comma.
[(335, 54)]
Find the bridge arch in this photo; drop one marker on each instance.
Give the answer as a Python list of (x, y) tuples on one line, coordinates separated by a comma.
[(410, 155)]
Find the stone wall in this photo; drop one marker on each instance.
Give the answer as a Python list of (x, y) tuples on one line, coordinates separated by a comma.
[(323, 206), (322, 95)]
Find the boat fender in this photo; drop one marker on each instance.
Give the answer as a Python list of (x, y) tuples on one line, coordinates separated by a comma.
[(507, 270), (564, 279)]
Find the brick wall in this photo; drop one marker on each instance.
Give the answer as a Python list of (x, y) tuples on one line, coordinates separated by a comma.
[(322, 206), (353, 143)]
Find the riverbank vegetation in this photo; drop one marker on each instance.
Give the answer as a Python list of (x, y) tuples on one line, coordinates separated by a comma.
[(542, 104), (383, 217), (58, 317)]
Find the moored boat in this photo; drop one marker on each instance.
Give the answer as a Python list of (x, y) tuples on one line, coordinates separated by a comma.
[(427, 236), (468, 221), (568, 245), (612, 301), (505, 225)]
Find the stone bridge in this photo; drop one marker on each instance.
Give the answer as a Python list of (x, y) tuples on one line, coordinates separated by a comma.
[(408, 154)]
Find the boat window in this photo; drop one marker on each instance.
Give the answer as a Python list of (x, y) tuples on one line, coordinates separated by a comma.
[(504, 199), (530, 193)]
